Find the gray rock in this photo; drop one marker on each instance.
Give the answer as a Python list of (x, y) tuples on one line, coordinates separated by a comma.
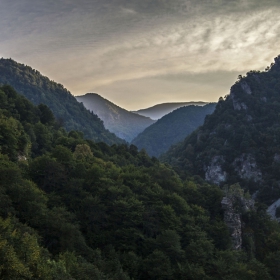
[(233, 206), (246, 87), (233, 222), (276, 158), (271, 210), (246, 167), (214, 172), (237, 105), (249, 118)]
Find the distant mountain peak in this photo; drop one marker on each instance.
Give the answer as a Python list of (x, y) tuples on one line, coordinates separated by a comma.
[(126, 125), (159, 110), (40, 89), (172, 128)]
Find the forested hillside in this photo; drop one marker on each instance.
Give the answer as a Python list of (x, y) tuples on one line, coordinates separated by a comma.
[(124, 124), (240, 141), (75, 209), (39, 89), (172, 128)]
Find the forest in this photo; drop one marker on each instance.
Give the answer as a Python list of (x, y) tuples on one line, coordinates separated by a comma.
[(172, 128), (72, 208), (241, 137)]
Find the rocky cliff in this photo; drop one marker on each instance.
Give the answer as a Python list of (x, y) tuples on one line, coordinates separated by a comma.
[(234, 205), (240, 141)]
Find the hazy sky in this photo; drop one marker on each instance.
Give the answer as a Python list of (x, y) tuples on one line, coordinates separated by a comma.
[(138, 53)]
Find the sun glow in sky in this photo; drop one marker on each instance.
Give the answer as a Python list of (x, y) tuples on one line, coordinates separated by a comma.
[(140, 53)]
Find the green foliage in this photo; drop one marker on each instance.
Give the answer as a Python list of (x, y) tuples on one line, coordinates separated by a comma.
[(46, 115), (244, 132), (75, 209), (172, 128), (22, 257), (13, 140), (82, 151)]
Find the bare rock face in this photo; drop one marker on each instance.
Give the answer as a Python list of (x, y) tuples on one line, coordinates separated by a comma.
[(237, 105), (246, 167), (264, 99), (276, 158), (233, 221), (233, 206), (214, 172), (246, 87), (271, 210), (22, 158), (249, 118)]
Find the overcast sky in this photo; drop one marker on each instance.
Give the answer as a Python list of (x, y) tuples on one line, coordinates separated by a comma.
[(138, 53)]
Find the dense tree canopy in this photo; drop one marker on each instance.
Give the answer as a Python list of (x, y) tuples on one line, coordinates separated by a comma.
[(75, 209), (172, 128)]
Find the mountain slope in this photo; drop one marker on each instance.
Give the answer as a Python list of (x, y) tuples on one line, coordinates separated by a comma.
[(80, 210), (39, 89), (158, 111), (123, 123), (240, 141), (172, 128)]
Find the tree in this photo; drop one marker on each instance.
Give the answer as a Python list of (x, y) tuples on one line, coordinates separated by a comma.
[(46, 115)]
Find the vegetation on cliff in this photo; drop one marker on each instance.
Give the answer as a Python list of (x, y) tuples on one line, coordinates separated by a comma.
[(240, 141)]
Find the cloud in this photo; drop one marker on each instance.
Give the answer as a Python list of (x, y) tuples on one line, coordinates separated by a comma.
[(127, 11), (227, 43), (97, 45)]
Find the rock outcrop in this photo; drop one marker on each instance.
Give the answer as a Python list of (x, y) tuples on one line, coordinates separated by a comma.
[(237, 104), (214, 172), (246, 88), (276, 158), (271, 210), (234, 204), (233, 222), (246, 167)]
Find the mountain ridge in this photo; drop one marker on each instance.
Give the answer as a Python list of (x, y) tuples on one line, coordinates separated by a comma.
[(159, 110), (239, 142), (172, 128), (75, 209), (125, 124), (40, 89)]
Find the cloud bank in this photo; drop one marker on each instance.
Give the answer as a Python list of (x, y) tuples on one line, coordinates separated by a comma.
[(120, 47)]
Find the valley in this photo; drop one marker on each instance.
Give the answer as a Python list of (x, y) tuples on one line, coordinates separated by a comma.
[(124, 124), (80, 202)]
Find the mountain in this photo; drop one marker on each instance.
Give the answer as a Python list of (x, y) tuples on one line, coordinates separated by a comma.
[(39, 89), (240, 141), (75, 209), (172, 128), (158, 111), (124, 124)]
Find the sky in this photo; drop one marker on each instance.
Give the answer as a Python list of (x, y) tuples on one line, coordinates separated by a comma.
[(138, 53)]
